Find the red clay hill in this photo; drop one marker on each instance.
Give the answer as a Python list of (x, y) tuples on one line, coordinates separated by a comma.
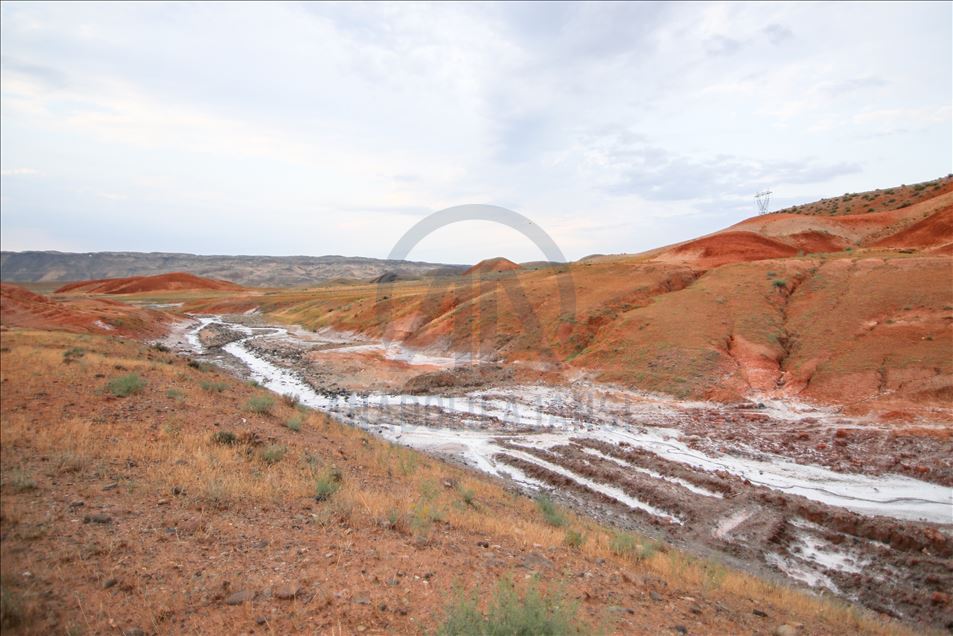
[(174, 281), (492, 266), (917, 217), (20, 307)]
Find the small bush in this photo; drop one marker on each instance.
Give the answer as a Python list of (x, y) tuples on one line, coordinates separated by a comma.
[(158, 346), (212, 387), (71, 355), (535, 613), (778, 283), (273, 453), (126, 385), (646, 550), (622, 544), (21, 481), (574, 539), (225, 438), (550, 512), (295, 423), (393, 518), (328, 483), (467, 496), (175, 394), (261, 404)]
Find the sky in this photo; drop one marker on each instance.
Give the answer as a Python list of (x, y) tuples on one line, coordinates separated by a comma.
[(317, 129)]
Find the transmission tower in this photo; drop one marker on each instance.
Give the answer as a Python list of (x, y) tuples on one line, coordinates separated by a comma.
[(763, 199)]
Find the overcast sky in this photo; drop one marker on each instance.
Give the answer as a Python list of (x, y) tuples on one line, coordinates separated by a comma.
[(331, 129)]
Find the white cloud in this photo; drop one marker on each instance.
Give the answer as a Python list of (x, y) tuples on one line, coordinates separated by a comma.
[(323, 128)]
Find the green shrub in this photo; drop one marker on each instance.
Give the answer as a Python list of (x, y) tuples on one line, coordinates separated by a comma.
[(294, 423), (550, 512), (646, 550), (273, 453), (778, 283), (21, 481), (261, 404), (623, 544), (212, 387), (574, 539), (126, 385), (175, 394), (71, 355), (534, 613), (467, 496), (225, 438), (328, 483)]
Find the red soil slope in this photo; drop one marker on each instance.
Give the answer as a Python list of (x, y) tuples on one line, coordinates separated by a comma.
[(731, 247), (933, 231), (174, 281), (22, 308), (492, 266)]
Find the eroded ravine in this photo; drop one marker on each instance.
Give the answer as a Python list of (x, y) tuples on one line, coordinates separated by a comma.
[(885, 540)]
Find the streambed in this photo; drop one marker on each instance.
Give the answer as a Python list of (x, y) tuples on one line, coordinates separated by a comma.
[(629, 459)]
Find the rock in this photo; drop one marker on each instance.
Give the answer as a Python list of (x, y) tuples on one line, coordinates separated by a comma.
[(97, 519), (681, 629), (696, 610), (785, 630), (286, 592), (362, 600), (940, 598), (108, 583), (111, 486), (760, 613), (239, 597), (133, 631), (261, 620), (536, 561), (483, 544), (162, 502), (178, 491), (77, 504), (655, 596)]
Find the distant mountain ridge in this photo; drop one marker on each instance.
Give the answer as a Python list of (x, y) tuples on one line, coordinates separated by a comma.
[(251, 271)]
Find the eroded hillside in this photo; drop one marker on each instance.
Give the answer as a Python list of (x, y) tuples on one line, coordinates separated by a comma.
[(855, 310)]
